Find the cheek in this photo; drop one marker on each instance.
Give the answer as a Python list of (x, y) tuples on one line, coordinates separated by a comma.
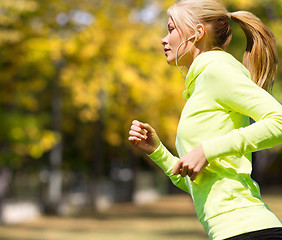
[(173, 41)]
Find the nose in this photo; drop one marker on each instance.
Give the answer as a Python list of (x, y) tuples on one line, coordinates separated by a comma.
[(164, 41)]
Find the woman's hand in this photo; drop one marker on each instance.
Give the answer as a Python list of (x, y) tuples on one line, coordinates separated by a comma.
[(191, 164), (144, 137)]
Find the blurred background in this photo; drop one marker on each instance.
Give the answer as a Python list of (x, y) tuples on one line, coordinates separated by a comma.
[(74, 74)]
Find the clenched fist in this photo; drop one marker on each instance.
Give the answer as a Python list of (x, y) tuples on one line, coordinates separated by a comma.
[(144, 137)]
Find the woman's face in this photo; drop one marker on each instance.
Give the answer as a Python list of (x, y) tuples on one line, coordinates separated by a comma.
[(175, 45)]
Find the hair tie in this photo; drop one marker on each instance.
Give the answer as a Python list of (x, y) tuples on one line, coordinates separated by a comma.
[(229, 15)]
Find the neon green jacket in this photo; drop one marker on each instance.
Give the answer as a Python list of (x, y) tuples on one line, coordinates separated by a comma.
[(220, 99)]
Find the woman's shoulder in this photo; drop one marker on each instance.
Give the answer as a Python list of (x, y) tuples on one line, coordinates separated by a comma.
[(224, 74), (226, 65)]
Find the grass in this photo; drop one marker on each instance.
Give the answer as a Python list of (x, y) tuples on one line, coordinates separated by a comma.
[(169, 217)]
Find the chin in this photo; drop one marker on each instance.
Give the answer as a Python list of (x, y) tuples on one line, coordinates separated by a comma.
[(171, 62)]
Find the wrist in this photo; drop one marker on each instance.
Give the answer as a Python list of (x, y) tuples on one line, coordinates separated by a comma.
[(154, 150)]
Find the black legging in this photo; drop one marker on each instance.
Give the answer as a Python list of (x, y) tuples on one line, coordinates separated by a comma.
[(265, 234)]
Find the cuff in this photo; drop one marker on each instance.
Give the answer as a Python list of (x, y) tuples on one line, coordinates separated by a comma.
[(217, 147), (157, 154)]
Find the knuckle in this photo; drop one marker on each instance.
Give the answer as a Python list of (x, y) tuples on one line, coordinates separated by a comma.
[(185, 166)]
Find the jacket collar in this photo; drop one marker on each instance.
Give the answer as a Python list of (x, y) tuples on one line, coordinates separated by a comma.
[(198, 66)]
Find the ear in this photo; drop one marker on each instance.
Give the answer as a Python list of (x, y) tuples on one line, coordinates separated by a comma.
[(201, 30)]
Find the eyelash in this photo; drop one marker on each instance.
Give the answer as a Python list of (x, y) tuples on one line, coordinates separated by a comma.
[(170, 29)]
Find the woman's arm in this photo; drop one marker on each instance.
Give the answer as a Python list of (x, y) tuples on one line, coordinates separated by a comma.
[(145, 138), (235, 91), (166, 161)]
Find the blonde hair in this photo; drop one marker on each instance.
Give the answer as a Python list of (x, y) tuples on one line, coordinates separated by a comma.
[(260, 57)]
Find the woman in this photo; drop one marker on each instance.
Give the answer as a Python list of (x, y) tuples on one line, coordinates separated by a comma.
[(214, 137)]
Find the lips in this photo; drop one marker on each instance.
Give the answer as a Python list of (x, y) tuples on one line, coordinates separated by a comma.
[(166, 50)]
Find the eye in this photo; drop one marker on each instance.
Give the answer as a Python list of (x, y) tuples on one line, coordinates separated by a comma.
[(170, 29)]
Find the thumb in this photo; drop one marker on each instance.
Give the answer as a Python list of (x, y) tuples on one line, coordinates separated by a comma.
[(147, 127)]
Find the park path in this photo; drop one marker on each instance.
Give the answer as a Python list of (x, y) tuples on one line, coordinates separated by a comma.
[(170, 217)]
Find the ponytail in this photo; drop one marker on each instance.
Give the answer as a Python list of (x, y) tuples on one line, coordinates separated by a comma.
[(261, 56)]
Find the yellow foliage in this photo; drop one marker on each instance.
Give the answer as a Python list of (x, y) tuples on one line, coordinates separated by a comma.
[(39, 48), (17, 133), (275, 27), (41, 142), (28, 102), (10, 36), (37, 85), (48, 140), (34, 150), (70, 48), (33, 141), (38, 144), (67, 75), (88, 115), (113, 138), (85, 95), (32, 132), (243, 4), (7, 20), (88, 51), (20, 5)]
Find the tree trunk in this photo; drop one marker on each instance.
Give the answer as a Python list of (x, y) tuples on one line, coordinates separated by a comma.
[(5, 180), (54, 194), (99, 149)]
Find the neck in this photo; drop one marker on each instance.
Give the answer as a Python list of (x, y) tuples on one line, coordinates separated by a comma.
[(196, 52)]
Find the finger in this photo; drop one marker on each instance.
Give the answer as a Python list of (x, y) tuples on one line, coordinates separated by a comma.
[(190, 172), (134, 140), (184, 172), (177, 167), (147, 127), (140, 125), (138, 129), (137, 134), (136, 123), (193, 176)]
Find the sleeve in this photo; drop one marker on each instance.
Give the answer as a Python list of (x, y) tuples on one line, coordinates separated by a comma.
[(166, 161), (235, 91)]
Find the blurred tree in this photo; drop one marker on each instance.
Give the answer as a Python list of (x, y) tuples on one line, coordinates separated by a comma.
[(23, 132), (115, 72)]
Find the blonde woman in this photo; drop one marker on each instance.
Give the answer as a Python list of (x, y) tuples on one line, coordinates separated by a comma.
[(214, 137)]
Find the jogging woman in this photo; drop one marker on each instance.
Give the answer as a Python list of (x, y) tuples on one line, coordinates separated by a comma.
[(214, 138)]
